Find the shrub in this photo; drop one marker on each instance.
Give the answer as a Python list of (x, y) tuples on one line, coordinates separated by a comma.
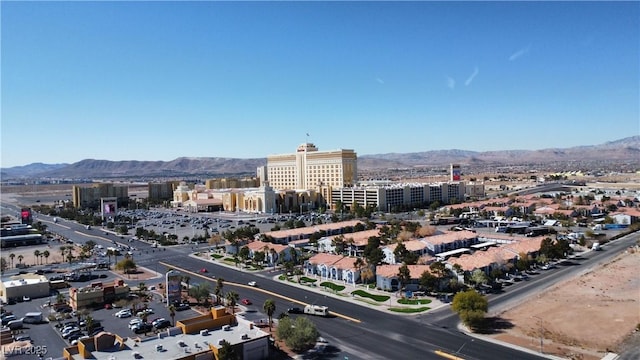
[(332, 286), (378, 298)]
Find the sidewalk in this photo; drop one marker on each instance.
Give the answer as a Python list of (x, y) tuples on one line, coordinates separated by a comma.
[(346, 293)]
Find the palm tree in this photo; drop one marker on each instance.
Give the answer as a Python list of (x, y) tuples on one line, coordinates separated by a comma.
[(36, 254), (232, 299), (270, 308), (109, 255), (20, 257), (218, 290), (63, 251), (172, 313), (46, 255), (11, 256), (89, 321)]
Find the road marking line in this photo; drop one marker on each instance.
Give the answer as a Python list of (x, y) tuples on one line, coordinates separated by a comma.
[(256, 289), (447, 355)]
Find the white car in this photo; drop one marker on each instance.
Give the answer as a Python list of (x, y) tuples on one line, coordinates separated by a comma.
[(123, 313), (134, 322), (253, 283), (145, 311)]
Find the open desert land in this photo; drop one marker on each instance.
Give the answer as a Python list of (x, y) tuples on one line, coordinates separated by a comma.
[(585, 317)]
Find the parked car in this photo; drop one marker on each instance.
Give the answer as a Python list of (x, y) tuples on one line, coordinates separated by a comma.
[(182, 307), (142, 328), (134, 322), (144, 311), (123, 313), (161, 324)]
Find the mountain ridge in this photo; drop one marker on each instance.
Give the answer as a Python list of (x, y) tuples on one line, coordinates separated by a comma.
[(619, 150)]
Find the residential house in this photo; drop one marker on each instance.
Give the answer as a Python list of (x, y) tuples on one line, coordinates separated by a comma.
[(333, 267)]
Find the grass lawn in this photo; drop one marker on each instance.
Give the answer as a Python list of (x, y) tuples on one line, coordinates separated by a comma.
[(414, 302), (409, 310), (305, 279), (332, 286), (378, 298)]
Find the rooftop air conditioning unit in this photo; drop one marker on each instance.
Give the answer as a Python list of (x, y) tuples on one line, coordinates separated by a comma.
[(244, 336), (221, 342), (226, 328), (204, 332), (159, 347)]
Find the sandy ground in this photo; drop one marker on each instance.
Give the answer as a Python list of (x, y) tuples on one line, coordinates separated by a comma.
[(583, 318)]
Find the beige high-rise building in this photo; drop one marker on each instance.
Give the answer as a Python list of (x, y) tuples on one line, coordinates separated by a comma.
[(309, 168)]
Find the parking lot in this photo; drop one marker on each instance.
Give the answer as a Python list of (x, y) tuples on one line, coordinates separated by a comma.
[(47, 339)]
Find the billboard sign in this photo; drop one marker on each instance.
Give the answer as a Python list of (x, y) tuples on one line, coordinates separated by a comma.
[(174, 287), (109, 207), (455, 172), (25, 216)]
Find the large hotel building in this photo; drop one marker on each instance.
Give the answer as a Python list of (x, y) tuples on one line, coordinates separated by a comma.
[(310, 169)]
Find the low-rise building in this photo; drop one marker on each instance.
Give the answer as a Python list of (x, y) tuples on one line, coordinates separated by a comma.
[(18, 286), (197, 338), (97, 294)]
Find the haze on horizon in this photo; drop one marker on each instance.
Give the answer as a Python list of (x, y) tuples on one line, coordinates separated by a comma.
[(162, 80)]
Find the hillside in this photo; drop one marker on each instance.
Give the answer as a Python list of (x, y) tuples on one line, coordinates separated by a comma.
[(627, 149)]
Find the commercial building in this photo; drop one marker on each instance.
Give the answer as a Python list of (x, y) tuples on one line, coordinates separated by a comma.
[(198, 338), (97, 294), (309, 168), (18, 286), (90, 196), (399, 196)]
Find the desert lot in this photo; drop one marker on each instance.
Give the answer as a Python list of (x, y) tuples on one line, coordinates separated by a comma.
[(585, 317)]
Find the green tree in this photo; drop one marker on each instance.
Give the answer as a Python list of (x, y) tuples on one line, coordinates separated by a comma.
[(36, 254), (298, 335), (232, 298), (20, 257), (404, 276), (270, 308), (244, 253), (227, 352), (126, 265), (90, 323), (172, 314), (479, 277), (3, 264), (218, 290), (46, 255), (471, 307), (200, 292), (11, 257), (428, 281)]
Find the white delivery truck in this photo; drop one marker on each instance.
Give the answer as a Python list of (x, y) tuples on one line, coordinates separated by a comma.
[(596, 246)]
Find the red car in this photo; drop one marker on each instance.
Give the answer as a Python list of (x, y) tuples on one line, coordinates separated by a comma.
[(203, 270), (246, 301)]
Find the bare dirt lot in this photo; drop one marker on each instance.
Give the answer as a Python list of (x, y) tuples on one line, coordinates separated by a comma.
[(583, 318)]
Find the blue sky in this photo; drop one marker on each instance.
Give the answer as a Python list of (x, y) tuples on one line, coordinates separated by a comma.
[(162, 80)]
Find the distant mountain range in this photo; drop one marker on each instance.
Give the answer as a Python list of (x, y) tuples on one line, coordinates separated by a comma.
[(627, 149)]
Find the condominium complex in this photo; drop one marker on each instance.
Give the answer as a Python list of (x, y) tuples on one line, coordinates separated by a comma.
[(309, 168)]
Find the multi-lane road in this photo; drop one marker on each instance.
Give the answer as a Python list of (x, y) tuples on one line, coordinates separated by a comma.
[(359, 332)]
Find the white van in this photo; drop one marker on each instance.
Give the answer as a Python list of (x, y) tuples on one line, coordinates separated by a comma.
[(32, 318)]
